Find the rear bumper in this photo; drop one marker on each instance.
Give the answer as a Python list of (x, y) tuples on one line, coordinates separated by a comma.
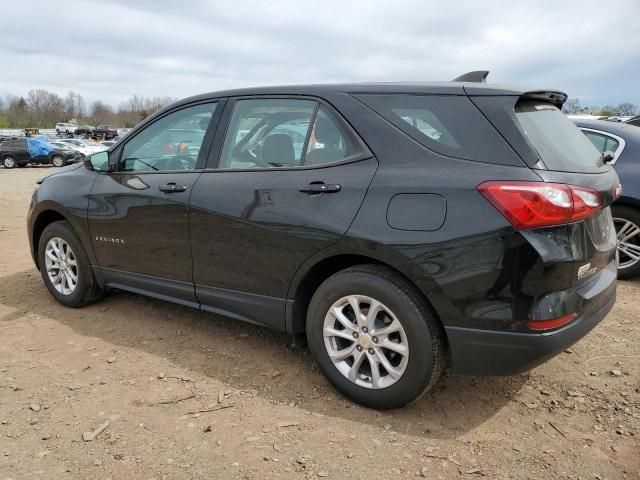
[(485, 352)]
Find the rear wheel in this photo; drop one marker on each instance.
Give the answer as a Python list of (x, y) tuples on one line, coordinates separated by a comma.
[(374, 337), (57, 161), (627, 222), (65, 267), (9, 162)]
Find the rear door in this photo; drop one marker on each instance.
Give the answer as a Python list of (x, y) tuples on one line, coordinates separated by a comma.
[(287, 182), (138, 214)]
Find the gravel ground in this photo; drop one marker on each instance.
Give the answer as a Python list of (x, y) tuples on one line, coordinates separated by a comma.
[(135, 388)]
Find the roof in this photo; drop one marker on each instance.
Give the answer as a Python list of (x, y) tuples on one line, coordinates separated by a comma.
[(616, 128), (450, 88)]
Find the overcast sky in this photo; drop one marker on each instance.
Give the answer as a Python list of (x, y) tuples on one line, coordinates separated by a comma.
[(114, 49)]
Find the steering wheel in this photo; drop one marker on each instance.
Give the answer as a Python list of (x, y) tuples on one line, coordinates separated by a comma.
[(180, 162)]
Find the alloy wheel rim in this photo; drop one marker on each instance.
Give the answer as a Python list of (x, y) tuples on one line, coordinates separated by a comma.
[(628, 235), (61, 265), (57, 161), (366, 342), (9, 162)]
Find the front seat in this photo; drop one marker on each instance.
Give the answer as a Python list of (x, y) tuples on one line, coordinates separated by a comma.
[(328, 134), (277, 150)]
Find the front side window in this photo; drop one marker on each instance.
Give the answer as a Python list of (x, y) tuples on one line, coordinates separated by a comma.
[(272, 133), (171, 143)]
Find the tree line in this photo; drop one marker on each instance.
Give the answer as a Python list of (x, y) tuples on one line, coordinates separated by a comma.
[(41, 108), (573, 106)]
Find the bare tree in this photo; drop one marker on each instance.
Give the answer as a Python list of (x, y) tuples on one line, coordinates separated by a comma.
[(572, 106), (101, 113), (626, 109)]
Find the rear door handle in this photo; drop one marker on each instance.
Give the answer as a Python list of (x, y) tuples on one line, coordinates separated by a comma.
[(321, 187), (172, 188)]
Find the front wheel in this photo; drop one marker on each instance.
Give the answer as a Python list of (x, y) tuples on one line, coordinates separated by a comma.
[(57, 161), (627, 222), (375, 337), (65, 267), (9, 162)]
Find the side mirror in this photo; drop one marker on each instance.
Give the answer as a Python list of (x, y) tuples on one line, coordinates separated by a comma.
[(98, 162), (608, 156)]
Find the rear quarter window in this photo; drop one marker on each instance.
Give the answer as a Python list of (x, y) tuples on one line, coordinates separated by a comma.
[(447, 124)]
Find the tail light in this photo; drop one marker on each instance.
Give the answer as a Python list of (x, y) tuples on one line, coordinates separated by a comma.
[(551, 323), (540, 204)]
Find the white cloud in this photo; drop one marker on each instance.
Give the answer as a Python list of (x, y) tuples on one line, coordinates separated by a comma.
[(113, 49)]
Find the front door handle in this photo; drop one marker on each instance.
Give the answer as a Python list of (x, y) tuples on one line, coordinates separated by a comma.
[(172, 188), (315, 188)]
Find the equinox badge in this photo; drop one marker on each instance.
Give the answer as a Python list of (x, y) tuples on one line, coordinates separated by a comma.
[(586, 270)]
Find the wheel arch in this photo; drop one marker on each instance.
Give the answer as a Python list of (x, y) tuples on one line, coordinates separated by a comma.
[(625, 201), (44, 219), (308, 279)]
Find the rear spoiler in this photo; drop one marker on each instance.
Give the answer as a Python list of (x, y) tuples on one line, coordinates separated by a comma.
[(554, 97), (477, 76)]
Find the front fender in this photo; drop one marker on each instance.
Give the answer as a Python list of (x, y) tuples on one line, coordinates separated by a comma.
[(63, 195)]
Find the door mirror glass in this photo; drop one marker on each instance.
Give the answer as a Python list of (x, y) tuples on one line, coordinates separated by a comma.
[(99, 161), (608, 156)]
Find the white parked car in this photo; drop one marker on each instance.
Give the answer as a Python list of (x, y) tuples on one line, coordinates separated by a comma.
[(67, 128), (82, 146)]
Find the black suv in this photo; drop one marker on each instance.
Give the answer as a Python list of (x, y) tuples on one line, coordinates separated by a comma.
[(402, 227), (18, 152)]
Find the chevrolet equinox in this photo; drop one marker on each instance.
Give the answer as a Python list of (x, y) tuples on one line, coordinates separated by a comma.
[(401, 227)]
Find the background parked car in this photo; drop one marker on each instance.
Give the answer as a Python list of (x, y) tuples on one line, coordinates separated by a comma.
[(66, 128), (635, 121), (83, 146), (22, 151), (623, 140), (84, 130), (106, 132)]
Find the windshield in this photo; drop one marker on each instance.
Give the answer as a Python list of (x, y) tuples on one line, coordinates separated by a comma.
[(559, 143)]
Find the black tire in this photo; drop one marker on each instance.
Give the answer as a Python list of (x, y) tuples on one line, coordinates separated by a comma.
[(87, 289), (57, 161), (9, 161), (632, 215), (424, 334)]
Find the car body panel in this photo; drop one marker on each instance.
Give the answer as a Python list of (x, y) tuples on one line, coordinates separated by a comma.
[(158, 244), (251, 230)]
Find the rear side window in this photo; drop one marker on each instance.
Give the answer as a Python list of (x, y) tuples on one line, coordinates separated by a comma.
[(284, 132), (602, 142), (559, 143), (447, 124)]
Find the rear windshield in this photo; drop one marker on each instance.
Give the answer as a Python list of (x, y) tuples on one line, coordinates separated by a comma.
[(447, 124), (559, 143)]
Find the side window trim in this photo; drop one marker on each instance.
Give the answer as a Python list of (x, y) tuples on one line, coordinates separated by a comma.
[(620, 140), (307, 138), (206, 142), (212, 164)]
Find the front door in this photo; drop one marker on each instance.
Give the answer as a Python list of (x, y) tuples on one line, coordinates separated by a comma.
[(289, 181), (138, 215)]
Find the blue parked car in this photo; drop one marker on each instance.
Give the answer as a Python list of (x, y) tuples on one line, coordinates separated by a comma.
[(19, 152), (623, 141)]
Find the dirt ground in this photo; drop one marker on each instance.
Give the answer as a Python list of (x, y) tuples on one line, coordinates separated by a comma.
[(148, 371)]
